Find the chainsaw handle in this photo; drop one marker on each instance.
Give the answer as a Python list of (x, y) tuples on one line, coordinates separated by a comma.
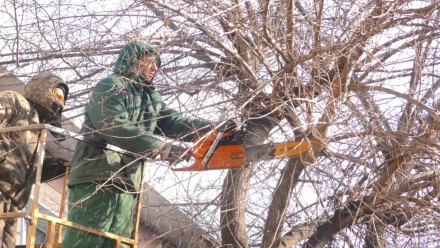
[(196, 166)]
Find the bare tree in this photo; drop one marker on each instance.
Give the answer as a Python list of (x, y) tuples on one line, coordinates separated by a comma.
[(358, 78)]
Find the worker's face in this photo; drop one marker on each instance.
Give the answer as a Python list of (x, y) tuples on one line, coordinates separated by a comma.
[(147, 67)]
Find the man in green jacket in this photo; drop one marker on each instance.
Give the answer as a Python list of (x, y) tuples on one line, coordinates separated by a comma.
[(126, 111)]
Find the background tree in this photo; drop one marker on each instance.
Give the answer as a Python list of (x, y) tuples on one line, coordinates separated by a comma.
[(358, 77)]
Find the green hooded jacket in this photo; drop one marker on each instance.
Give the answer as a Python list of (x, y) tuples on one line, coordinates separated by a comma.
[(126, 111)]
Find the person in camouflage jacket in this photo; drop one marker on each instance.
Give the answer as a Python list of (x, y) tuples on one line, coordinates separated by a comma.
[(124, 110), (42, 102)]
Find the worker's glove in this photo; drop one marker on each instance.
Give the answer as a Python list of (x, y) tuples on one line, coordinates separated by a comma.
[(56, 122), (229, 126), (173, 153)]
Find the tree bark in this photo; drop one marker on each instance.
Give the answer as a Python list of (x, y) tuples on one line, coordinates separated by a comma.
[(298, 233), (233, 220), (280, 201), (235, 188), (374, 235)]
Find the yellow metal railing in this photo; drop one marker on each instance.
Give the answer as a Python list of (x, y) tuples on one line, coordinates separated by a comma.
[(53, 240)]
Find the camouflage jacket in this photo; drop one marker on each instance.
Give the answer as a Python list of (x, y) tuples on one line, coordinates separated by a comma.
[(17, 148)]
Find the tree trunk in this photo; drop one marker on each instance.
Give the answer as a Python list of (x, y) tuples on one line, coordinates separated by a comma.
[(233, 219), (374, 235), (235, 188), (280, 203)]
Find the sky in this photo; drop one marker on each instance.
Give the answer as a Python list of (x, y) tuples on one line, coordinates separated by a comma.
[(176, 186)]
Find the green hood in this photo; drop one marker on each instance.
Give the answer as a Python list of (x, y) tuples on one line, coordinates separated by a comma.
[(128, 56)]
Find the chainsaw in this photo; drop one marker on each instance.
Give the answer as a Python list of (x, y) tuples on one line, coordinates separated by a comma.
[(220, 150), (216, 151)]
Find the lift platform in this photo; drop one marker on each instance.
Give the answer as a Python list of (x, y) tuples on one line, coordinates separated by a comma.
[(54, 234)]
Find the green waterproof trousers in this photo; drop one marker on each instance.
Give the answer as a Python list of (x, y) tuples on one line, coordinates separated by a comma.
[(107, 209)]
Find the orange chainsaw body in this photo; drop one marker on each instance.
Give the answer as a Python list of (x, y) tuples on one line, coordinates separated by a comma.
[(230, 153), (224, 156)]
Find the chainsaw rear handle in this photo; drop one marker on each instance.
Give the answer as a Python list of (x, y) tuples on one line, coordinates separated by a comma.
[(198, 152)]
